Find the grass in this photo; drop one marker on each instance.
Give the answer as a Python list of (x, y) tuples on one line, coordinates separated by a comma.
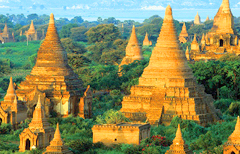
[(19, 52)]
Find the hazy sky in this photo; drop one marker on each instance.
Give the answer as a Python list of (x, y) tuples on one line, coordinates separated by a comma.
[(120, 9)]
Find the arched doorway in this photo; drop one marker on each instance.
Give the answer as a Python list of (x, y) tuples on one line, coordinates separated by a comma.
[(232, 152), (27, 144), (221, 42), (0, 121)]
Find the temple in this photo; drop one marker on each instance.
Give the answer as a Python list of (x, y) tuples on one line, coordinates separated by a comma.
[(56, 145), (146, 41), (167, 87), (6, 36), (127, 133), (221, 39), (232, 146), (12, 110), (31, 34), (52, 78), (39, 133), (179, 145), (183, 36), (133, 51), (197, 20)]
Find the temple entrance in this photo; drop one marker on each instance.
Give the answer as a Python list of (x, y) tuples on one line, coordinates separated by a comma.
[(232, 152), (0, 121), (27, 144), (221, 43)]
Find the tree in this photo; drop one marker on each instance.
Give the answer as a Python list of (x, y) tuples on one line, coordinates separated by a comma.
[(5, 67), (77, 20), (103, 33), (32, 16), (78, 34), (66, 30), (73, 47)]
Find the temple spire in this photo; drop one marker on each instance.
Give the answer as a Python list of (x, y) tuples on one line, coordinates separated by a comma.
[(57, 136), (226, 6), (178, 139), (5, 30), (133, 38), (10, 92)]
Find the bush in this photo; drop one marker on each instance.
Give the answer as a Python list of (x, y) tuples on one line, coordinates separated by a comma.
[(79, 146), (111, 117), (5, 128)]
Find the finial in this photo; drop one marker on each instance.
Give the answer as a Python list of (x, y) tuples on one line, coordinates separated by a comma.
[(51, 19), (179, 133), (39, 105), (168, 13)]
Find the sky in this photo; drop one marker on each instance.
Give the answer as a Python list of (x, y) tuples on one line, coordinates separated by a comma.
[(183, 10)]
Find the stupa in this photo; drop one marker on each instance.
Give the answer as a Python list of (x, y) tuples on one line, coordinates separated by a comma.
[(167, 87), (56, 145), (232, 146), (133, 50), (197, 20), (31, 33), (52, 78), (207, 19), (179, 146), (12, 110), (146, 41), (6, 36), (39, 133), (222, 38), (183, 36)]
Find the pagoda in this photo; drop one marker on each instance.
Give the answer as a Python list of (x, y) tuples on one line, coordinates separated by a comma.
[(133, 50), (179, 146), (222, 39), (6, 36), (31, 33), (207, 19), (232, 146), (39, 133), (197, 20), (183, 36), (146, 41), (56, 145), (52, 78), (167, 87), (12, 110)]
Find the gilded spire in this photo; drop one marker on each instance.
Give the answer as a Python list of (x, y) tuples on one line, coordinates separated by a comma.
[(167, 46), (57, 145), (235, 138), (197, 20), (226, 6), (38, 120), (194, 39), (133, 38), (178, 145), (10, 92), (184, 31), (178, 139), (203, 37), (51, 55), (207, 19)]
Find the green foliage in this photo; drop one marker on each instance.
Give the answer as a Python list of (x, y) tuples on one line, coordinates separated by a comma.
[(79, 146), (206, 142), (234, 108), (78, 34), (66, 30), (72, 47), (222, 104), (221, 79), (4, 67), (5, 128), (111, 117), (103, 33), (130, 149)]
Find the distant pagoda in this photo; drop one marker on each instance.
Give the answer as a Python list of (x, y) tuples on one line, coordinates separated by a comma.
[(167, 87), (197, 20), (52, 79), (222, 39), (179, 146), (133, 50), (31, 33), (146, 41), (183, 36)]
